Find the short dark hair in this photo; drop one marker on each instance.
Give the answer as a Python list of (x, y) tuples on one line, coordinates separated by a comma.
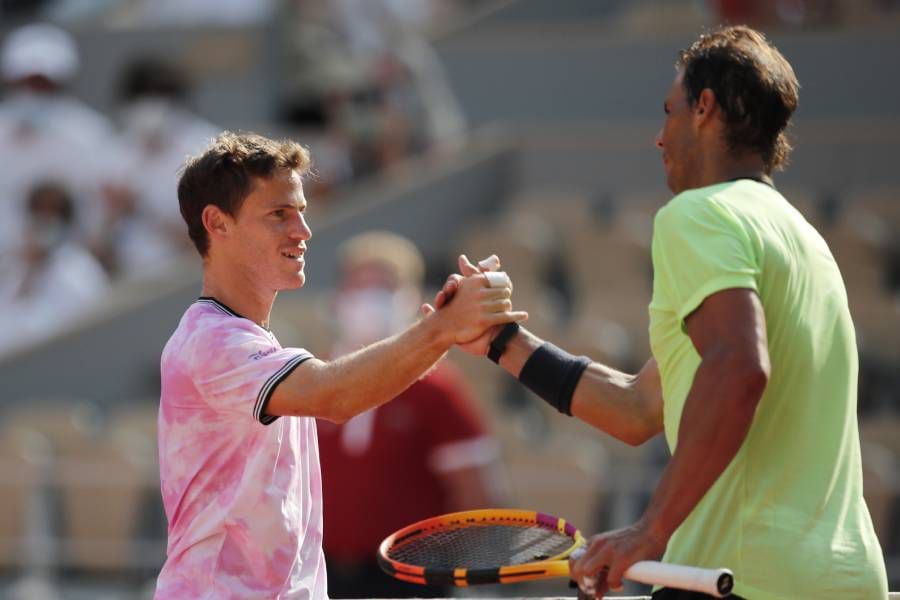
[(754, 85), (223, 176)]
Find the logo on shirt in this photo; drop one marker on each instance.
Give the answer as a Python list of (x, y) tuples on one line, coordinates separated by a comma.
[(262, 353)]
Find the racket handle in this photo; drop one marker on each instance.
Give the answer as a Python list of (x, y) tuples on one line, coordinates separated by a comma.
[(715, 582)]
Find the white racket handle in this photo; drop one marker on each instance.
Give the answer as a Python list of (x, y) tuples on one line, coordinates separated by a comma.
[(715, 582)]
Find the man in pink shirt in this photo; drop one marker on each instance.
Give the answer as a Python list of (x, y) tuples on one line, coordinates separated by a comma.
[(241, 486)]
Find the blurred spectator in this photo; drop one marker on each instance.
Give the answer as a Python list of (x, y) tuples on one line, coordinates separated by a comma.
[(51, 279), (141, 228), (363, 71), (423, 454), (44, 131)]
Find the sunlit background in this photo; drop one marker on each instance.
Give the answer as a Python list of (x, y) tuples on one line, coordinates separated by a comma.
[(522, 127)]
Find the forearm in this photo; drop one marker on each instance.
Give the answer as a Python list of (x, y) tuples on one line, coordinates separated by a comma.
[(342, 388), (714, 423), (628, 407)]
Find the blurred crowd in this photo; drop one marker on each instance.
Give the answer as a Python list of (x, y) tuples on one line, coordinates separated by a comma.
[(87, 199)]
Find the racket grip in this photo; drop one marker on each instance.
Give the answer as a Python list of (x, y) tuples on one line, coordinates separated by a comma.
[(715, 582)]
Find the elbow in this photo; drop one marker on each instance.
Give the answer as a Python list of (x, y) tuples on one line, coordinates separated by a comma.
[(639, 436), (752, 378), (337, 419), (333, 410), (635, 439)]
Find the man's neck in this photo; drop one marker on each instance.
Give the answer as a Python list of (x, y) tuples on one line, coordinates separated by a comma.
[(238, 292), (718, 169)]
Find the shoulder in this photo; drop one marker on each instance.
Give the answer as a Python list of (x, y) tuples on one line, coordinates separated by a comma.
[(697, 208), (206, 327)]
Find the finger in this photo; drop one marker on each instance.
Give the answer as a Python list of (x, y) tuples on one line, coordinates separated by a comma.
[(505, 317), (466, 267), (492, 293), (498, 279), (448, 291), (426, 309), (498, 305), (614, 577), (440, 299), (452, 284), (491, 263)]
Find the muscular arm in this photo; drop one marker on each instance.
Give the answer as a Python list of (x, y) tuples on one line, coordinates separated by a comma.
[(729, 333), (345, 387), (627, 407)]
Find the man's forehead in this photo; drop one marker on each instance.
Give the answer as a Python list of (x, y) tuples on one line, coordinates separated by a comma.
[(676, 89), (283, 189)]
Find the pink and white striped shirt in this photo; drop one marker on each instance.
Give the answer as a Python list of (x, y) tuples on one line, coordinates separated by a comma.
[(241, 489)]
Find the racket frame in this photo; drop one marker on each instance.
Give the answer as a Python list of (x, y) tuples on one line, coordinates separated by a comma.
[(553, 566)]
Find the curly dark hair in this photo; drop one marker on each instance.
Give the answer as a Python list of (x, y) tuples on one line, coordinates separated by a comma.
[(223, 176), (754, 85)]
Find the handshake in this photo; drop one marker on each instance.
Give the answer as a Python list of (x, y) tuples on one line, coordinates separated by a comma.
[(473, 305)]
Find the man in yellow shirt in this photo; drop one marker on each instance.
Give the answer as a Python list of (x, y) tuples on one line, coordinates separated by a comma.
[(754, 368)]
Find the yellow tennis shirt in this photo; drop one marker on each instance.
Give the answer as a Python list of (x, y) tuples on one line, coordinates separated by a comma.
[(787, 515)]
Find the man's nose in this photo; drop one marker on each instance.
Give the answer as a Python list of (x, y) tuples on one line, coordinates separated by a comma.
[(300, 229), (657, 141)]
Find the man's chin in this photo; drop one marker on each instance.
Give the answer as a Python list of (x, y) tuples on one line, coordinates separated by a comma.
[(293, 283)]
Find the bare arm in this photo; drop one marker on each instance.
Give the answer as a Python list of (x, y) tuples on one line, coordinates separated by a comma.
[(729, 333), (627, 407), (345, 387)]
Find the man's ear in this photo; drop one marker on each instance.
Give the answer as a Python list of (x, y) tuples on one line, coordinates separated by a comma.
[(216, 221), (706, 106)]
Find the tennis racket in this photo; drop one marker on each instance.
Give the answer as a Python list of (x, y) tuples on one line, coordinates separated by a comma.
[(507, 546)]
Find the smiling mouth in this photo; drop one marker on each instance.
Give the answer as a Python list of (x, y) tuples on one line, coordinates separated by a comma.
[(293, 254)]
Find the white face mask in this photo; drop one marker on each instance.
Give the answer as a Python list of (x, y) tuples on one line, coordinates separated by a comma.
[(31, 111), (148, 119), (47, 233), (367, 315)]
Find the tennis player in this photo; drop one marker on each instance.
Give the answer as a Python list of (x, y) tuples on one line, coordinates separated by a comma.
[(754, 368), (239, 463)]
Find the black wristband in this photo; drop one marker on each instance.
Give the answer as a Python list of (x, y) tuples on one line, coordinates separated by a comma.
[(552, 373), (498, 344)]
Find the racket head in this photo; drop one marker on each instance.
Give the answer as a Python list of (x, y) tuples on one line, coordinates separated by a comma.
[(498, 545)]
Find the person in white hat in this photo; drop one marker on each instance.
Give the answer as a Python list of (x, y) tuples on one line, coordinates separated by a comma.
[(45, 132)]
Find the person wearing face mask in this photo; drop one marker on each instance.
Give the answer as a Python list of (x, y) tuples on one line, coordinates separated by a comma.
[(51, 279), (45, 131), (425, 453), (141, 227)]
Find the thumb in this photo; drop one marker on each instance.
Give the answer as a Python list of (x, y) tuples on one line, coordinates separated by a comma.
[(466, 268)]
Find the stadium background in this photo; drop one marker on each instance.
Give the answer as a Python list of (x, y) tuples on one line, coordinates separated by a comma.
[(518, 127)]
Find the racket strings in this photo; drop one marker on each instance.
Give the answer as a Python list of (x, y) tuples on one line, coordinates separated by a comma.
[(481, 546)]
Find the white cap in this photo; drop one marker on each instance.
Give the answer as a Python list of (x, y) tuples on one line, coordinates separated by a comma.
[(39, 49)]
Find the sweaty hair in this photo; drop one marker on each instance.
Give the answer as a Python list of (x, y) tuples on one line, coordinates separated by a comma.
[(754, 85), (223, 176)]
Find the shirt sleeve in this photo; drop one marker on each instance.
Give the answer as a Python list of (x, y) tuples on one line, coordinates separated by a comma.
[(237, 368), (699, 248)]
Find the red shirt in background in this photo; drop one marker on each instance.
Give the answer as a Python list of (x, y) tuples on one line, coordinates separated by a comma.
[(382, 470)]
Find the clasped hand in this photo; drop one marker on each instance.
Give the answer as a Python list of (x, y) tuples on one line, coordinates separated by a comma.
[(477, 304)]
